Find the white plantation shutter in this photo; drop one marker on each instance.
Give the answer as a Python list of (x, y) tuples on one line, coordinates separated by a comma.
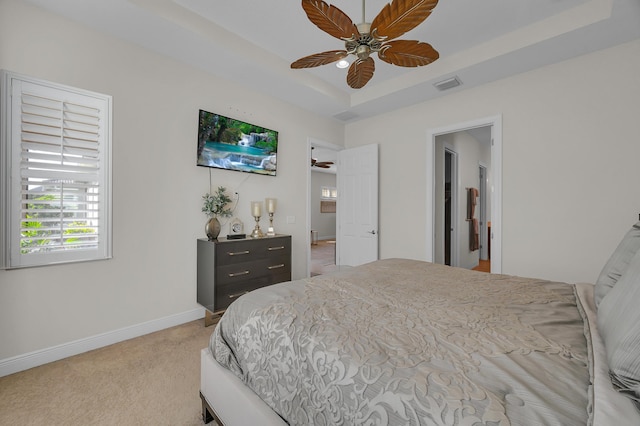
[(58, 193)]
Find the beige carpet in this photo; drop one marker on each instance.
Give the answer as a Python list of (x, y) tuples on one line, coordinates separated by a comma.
[(149, 380)]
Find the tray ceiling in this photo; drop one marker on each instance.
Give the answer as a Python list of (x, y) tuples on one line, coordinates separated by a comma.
[(254, 43)]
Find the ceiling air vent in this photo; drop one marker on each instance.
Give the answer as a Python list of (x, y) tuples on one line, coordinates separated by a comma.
[(447, 84), (346, 116)]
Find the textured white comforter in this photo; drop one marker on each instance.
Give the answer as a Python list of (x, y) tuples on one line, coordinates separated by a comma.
[(405, 342)]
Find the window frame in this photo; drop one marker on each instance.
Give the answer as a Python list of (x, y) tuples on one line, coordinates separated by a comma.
[(15, 194)]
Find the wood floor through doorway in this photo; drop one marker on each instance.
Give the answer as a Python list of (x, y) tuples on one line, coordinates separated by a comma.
[(483, 266), (323, 257)]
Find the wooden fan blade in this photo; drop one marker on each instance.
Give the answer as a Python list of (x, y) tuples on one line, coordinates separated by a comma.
[(408, 53), (400, 16), (321, 164), (318, 59), (330, 19), (360, 72)]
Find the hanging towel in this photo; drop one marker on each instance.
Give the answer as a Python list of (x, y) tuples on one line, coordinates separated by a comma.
[(474, 235), (472, 195)]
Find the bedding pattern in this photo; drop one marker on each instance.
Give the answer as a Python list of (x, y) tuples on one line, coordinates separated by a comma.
[(404, 342)]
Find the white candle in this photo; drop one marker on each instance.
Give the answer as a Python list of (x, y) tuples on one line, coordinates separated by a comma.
[(271, 205), (256, 208)]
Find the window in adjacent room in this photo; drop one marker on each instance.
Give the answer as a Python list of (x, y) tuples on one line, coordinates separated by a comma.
[(329, 193), (328, 199), (55, 150)]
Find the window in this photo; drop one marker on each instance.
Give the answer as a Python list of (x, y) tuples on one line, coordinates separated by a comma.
[(55, 149), (328, 199), (329, 193)]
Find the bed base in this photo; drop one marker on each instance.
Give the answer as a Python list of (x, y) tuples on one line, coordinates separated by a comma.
[(208, 413), (227, 400)]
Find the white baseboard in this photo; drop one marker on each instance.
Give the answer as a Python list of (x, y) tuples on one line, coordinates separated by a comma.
[(55, 353)]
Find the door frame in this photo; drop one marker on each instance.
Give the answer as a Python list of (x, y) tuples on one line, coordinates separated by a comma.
[(482, 187), (327, 145), (496, 185), (453, 243)]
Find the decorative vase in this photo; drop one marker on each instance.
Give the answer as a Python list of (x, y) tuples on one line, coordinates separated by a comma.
[(212, 228)]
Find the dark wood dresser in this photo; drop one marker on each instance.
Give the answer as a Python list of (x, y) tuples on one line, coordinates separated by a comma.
[(227, 269)]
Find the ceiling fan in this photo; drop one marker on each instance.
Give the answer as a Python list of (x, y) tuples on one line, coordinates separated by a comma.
[(395, 19), (321, 164)]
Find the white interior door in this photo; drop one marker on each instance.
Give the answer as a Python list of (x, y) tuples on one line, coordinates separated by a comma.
[(357, 206)]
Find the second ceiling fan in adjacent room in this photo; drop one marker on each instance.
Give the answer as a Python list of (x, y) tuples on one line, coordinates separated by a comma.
[(320, 164)]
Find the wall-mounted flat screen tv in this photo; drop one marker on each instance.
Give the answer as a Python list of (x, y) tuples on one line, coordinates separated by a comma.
[(230, 144)]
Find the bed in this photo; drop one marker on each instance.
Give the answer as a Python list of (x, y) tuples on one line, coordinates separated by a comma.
[(406, 342)]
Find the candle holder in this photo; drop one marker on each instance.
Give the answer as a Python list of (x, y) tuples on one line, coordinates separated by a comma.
[(256, 212), (271, 209)]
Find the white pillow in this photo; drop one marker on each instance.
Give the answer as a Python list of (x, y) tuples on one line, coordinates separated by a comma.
[(619, 326), (617, 263)]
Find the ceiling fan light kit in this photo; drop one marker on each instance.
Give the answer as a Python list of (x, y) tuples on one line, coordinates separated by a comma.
[(361, 40)]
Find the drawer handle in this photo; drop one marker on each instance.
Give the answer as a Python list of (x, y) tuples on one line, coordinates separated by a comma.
[(237, 274), (276, 266), (236, 253), (275, 248), (233, 296)]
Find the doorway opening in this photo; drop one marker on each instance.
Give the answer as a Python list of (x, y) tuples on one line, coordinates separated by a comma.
[(321, 221), (356, 206), (466, 140)]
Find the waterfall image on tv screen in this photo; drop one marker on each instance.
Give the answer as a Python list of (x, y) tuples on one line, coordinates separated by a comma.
[(227, 143)]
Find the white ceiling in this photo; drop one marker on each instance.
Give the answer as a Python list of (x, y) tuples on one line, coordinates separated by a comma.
[(253, 42)]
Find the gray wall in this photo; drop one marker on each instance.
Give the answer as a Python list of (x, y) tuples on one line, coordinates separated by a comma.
[(324, 223), (157, 188), (569, 161)]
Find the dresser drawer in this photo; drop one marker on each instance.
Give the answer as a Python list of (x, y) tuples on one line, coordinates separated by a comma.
[(227, 293), (241, 251), (252, 269)]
